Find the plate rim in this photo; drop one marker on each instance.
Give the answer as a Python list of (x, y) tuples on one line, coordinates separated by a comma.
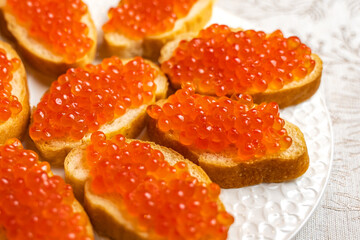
[(328, 174), (330, 126)]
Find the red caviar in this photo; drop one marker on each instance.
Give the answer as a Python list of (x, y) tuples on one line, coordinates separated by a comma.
[(82, 100), (162, 200), (140, 18), (224, 124), (220, 61), (33, 203), (9, 104), (57, 24)]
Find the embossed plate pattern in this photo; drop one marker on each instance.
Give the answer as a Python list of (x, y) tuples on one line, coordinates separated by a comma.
[(265, 211), (279, 210)]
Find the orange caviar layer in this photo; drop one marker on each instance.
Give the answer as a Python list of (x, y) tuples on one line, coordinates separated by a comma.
[(224, 124), (140, 18), (162, 200), (57, 24), (82, 100), (33, 203), (220, 61), (9, 104)]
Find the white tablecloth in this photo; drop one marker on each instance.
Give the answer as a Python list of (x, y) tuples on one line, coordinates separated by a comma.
[(332, 29)]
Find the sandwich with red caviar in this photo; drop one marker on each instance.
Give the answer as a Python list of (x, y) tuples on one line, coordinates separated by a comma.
[(111, 97), (14, 95), (220, 61), (34, 203), (142, 27), (53, 35), (139, 190), (236, 142)]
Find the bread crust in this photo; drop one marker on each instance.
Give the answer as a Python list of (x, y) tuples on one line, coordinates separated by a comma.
[(55, 151), (291, 94), (150, 46), (39, 56), (295, 92), (223, 170), (130, 125), (105, 216), (107, 224), (16, 126)]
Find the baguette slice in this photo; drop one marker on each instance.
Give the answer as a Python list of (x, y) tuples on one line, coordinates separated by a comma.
[(149, 47), (15, 126), (40, 56), (77, 208), (291, 94), (228, 173), (104, 214), (130, 125)]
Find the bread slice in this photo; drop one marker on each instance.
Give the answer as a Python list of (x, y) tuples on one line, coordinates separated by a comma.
[(104, 214), (41, 57), (15, 126), (291, 94), (130, 125), (149, 47), (77, 208), (228, 173)]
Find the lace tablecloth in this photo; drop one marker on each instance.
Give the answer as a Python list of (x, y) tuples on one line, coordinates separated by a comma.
[(331, 29)]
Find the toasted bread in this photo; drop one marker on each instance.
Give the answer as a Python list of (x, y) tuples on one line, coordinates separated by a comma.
[(77, 208), (15, 126), (291, 94), (149, 47), (229, 173), (40, 56), (104, 214), (130, 125)]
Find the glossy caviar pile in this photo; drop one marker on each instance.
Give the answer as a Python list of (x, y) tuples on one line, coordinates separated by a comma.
[(224, 124), (82, 100), (220, 61), (57, 24), (137, 19), (9, 104), (34, 205), (163, 200)]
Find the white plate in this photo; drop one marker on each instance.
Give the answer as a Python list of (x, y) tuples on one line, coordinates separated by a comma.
[(265, 211)]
